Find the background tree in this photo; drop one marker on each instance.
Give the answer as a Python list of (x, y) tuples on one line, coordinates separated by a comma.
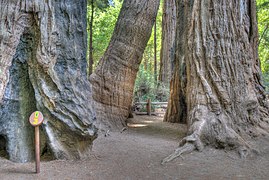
[(155, 53), (176, 107), (114, 78), (263, 24), (90, 22), (43, 67), (168, 41), (92, 4), (105, 18), (220, 75)]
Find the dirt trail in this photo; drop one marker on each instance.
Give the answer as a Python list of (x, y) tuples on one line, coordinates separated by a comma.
[(137, 153)]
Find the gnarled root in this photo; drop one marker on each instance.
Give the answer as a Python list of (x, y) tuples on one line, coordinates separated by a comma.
[(214, 129), (186, 148), (187, 145)]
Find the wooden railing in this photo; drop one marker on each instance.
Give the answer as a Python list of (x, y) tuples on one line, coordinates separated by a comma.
[(148, 105)]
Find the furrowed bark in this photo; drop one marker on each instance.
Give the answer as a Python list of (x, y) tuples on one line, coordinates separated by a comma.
[(226, 103), (47, 39), (168, 41), (114, 77), (176, 110)]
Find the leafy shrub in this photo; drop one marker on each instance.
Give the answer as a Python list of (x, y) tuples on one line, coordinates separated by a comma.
[(147, 88)]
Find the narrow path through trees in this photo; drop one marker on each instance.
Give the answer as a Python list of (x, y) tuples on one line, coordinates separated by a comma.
[(136, 154)]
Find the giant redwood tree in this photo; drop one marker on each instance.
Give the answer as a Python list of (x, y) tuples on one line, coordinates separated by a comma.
[(43, 67), (114, 78), (219, 75)]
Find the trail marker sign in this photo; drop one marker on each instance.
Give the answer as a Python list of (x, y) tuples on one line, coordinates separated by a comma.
[(36, 120)]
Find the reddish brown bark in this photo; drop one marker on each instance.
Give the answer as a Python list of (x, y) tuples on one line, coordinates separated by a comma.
[(225, 101), (114, 77), (168, 41)]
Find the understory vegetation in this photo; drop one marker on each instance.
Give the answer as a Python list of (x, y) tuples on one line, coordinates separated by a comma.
[(263, 25)]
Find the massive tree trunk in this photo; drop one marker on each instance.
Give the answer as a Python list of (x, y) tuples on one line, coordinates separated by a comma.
[(168, 41), (226, 103), (176, 110), (43, 67), (114, 78)]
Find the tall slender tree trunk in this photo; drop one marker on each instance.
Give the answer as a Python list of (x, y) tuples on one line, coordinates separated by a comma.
[(91, 41), (155, 52), (43, 67), (145, 62), (225, 101), (114, 78), (263, 33), (168, 41)]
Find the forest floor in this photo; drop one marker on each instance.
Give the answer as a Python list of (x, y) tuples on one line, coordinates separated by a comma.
[(137, 153)]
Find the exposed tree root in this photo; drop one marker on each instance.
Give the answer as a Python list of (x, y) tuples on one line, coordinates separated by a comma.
[(186, 145), (212, 130), (187, 148), (189, 144)]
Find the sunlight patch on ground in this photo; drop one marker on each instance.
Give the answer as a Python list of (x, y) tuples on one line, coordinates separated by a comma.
[(136, 125), (147, 121)]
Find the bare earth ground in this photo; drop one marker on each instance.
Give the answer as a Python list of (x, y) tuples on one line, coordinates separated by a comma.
[(137, 153)]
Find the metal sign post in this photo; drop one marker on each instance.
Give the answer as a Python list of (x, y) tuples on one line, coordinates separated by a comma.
[(36, 120)]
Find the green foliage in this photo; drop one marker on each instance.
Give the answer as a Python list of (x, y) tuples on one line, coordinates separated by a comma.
[(263, 25), (105, 17), (148, 56), (145, 88)]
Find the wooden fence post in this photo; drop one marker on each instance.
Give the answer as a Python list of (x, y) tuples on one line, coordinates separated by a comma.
[(149, 107)]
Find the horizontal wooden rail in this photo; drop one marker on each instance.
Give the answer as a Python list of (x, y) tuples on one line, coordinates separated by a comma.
[(148, 106)]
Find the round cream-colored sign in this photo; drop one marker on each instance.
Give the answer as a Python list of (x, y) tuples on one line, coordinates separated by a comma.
[(36, 118)]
